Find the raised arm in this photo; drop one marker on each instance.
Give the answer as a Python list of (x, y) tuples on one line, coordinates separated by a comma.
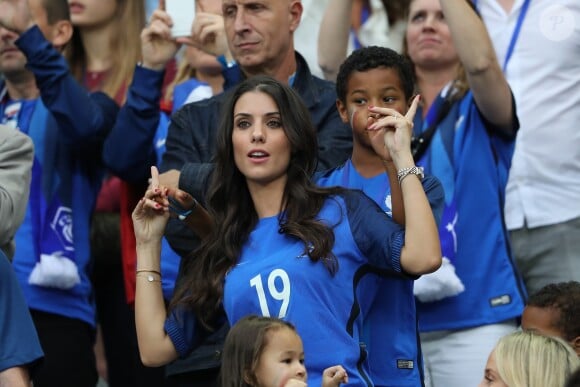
[(421, 252), (149, 219), (484, 74), (333, 37), (139, 118), (84, 120)]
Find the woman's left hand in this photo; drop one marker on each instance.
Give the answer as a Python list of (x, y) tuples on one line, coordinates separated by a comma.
[(151, 213)]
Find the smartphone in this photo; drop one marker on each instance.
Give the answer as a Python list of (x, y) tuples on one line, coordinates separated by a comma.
[(182, 13)]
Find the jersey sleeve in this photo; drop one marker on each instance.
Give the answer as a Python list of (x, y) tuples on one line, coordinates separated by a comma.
[(377, 236), (185, 331)]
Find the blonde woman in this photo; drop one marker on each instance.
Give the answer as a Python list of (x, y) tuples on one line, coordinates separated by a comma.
[(102, 55), (527, 359)]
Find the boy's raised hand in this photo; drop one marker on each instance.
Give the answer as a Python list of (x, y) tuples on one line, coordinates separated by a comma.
[(396, 130)]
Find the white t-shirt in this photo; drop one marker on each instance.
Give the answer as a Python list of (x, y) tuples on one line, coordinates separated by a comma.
[(544, 74)]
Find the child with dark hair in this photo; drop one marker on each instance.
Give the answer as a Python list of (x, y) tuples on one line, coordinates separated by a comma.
[(375, 94), (554, 310), (266, 351)]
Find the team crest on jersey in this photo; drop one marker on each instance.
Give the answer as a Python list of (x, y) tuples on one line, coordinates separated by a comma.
[(61, 224)]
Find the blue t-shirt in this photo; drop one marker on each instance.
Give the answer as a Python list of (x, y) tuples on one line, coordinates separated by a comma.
[(20, 345), (390, 331), (274, 277)]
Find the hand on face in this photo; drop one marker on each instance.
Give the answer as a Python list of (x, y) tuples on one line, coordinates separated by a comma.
[(152, 212), (396, 129), (15, 15)]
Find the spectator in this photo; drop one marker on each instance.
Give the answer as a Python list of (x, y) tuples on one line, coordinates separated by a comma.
[(541, 209), (265, 351), (375, 87), (67, 127), (20, 349), (526, 359), (465, 132), (16, 155), (555, 311), (102, 55)]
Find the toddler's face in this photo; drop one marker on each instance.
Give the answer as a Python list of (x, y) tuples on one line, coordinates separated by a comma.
[(282, 359)]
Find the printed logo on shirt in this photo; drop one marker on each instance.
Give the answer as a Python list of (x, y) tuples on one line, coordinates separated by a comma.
[(62, 226), (405, 364), (501, 300)]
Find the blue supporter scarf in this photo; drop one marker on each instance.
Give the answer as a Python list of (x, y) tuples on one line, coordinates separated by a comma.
[(51, 212)]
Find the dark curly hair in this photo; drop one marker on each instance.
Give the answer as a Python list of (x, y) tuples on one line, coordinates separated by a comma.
[(564, 297), (372, 57)]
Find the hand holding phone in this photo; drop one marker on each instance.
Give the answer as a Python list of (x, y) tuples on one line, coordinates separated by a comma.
[(182, 13)]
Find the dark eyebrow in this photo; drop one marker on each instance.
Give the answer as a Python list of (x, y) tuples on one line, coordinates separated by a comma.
[(269, 114), (390, 88)]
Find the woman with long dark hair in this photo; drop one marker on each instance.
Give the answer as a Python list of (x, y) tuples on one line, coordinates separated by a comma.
[(280, 246)]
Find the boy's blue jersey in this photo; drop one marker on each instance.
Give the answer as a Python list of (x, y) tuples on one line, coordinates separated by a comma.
[(390, 330), (274, 277)]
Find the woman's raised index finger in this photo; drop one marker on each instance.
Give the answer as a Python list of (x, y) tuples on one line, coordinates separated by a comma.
[(154, 177)]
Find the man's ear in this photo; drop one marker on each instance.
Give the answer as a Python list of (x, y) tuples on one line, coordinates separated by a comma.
[(62, 33), (576, 344), (295, 14), (342, 111)]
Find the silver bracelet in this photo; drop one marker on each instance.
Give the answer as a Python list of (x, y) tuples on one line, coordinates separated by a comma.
[(414, 170)]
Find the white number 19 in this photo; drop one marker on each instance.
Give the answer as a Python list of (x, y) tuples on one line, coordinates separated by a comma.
[(280, 295)]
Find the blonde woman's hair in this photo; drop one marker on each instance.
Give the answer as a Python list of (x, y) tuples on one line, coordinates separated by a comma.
[(528, 359), (125, 48), (185, 72)]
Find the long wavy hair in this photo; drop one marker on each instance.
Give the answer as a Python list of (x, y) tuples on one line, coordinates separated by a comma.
[(232, 209), (244, 346)]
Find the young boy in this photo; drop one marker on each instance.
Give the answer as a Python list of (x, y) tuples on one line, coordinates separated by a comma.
[(374, 89), (554, 310)]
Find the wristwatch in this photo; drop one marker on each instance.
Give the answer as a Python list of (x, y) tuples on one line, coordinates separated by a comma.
[(415, 170)]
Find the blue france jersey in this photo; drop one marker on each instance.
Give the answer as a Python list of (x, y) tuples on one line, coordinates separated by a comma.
[(273, 277), (390, 331)]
